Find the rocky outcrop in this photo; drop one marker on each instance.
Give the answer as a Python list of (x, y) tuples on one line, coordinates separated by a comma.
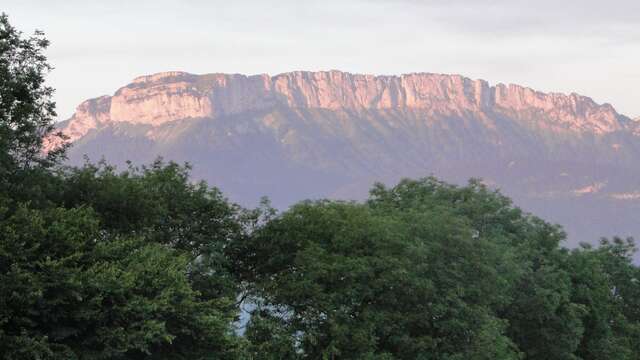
[(332, 134), (165, 97), (636, 126)]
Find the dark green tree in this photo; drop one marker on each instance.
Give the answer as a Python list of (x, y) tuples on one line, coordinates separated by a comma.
[(26, 111), (269, 338), (357, 281), (96, 264), (607, 285), (69, 290), (429, 270), (161, 203)]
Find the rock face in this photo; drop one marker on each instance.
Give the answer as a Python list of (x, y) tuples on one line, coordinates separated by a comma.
[(319, 134), (165, 97)]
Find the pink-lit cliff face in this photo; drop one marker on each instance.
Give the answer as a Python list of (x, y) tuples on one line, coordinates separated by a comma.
[(316, 134), (636, 126), (171, 96)]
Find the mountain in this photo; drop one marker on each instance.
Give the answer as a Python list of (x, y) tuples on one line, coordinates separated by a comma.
[(332, 134)]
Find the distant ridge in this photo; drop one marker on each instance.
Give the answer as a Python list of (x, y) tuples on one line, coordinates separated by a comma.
[(330, 133)]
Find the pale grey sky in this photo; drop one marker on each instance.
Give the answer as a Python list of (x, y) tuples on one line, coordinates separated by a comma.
[(584, 46)]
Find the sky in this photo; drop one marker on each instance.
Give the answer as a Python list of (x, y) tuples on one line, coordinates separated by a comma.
[(584, 46)]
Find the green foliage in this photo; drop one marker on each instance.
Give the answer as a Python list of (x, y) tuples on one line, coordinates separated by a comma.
[(429, 270), (26, 109), (269, 338), (607, 285), (160, 203), (96, 264), (71, 290), (360, 282)]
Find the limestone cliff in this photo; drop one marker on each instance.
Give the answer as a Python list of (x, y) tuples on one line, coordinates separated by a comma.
[(316, 134), (165, 97)]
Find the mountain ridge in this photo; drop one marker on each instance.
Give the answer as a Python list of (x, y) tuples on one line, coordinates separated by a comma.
[(332, 134), (327, 89)]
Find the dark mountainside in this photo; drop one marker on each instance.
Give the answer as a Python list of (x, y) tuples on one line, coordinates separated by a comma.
[(332, 134)]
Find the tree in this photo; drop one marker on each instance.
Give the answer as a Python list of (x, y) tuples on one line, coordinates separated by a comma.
[(26, 117), (270, 339), (161, 203), (364, 281), (606, 284), (26, 109), (69, 290), (429, 270)]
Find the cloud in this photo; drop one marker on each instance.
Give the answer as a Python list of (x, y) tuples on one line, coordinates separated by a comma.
[(522, 17)]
